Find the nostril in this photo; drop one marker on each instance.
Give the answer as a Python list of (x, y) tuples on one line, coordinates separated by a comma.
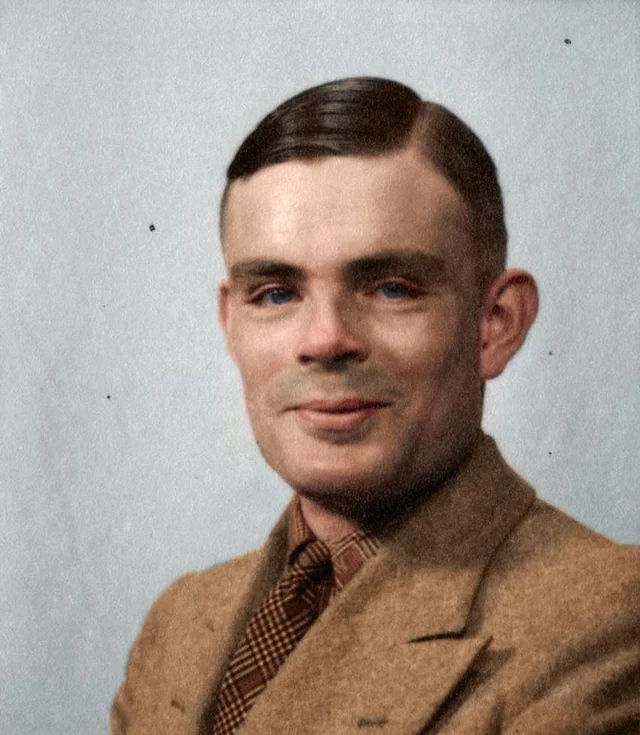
[(329, 335)]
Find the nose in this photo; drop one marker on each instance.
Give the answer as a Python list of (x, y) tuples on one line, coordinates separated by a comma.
[(332, 334)]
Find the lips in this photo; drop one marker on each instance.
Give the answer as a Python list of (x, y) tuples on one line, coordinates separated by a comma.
[(338, 415)]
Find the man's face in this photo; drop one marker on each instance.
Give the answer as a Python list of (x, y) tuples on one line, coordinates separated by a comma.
[(352, 313)]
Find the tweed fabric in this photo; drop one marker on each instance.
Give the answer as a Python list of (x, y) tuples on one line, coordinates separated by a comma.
[(286, 614)]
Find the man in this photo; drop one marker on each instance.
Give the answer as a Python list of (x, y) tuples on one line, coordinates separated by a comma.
[(415, 584)]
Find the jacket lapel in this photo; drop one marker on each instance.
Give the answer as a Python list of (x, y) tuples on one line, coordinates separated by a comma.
[(395, 689), (221, 614)]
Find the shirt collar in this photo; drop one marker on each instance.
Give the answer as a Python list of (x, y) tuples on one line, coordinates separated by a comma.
[(348, 554)]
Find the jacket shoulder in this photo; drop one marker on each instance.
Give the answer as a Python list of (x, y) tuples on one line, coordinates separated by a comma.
[(549, 539), (553, 564), (189, 596), (194, 590), (170, 630)]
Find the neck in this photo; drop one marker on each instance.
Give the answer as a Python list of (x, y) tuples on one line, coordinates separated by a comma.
[(327, 525)]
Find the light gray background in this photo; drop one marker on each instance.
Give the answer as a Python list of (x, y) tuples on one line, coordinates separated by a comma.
[(125, 457)]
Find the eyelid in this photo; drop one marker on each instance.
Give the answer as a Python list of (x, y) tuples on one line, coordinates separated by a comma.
[(254, 286), (255, 293), (408, 283)]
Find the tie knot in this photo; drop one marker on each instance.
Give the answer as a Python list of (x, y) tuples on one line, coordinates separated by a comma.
[(313, 561)]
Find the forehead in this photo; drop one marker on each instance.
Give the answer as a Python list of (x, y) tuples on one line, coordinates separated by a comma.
[(342, 207)]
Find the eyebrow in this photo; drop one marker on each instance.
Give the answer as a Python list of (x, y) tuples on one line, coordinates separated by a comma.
[(413, 264), (248, 269), (407, 263)]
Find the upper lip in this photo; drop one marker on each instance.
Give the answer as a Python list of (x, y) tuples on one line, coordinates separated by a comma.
[(343, 405)]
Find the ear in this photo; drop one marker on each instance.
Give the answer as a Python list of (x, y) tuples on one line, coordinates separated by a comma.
[(509, 308), (224, 317)]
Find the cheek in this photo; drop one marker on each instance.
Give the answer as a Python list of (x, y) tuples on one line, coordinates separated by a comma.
[(258, 361), (437, 362), (419, 349)]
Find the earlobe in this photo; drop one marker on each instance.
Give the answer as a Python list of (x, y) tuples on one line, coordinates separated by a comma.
[(509, 309), (223, 314)]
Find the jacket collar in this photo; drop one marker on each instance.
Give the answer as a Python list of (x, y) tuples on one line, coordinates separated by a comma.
[(447, 543)]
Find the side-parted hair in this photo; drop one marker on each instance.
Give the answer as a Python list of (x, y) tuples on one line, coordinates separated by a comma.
[(367, 116)]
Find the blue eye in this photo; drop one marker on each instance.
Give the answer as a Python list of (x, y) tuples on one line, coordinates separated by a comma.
[(276, 296), (396, 291)]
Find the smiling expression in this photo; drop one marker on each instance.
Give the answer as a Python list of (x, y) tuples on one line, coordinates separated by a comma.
[(351, 309)]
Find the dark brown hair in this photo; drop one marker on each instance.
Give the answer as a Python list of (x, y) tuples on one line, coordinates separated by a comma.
[(373, 117)]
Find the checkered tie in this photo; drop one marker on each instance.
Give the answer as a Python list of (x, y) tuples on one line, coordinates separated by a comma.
[(279, 624)]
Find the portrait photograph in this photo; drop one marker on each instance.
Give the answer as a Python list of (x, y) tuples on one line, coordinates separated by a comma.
[(319, 367)]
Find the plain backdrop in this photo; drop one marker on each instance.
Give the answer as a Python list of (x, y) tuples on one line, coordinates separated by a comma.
[(125, 455)]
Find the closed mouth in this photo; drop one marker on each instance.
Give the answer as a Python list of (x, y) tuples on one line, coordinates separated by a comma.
[(338, 415), (346, 405)]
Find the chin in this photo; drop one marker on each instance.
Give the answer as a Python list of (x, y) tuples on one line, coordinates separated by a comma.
[(332, 482), (343, 486), (366, 497), (308, 461), (368, 480), (329, 471)]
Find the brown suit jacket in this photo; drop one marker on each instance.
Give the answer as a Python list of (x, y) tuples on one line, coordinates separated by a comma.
[(485, 611)]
